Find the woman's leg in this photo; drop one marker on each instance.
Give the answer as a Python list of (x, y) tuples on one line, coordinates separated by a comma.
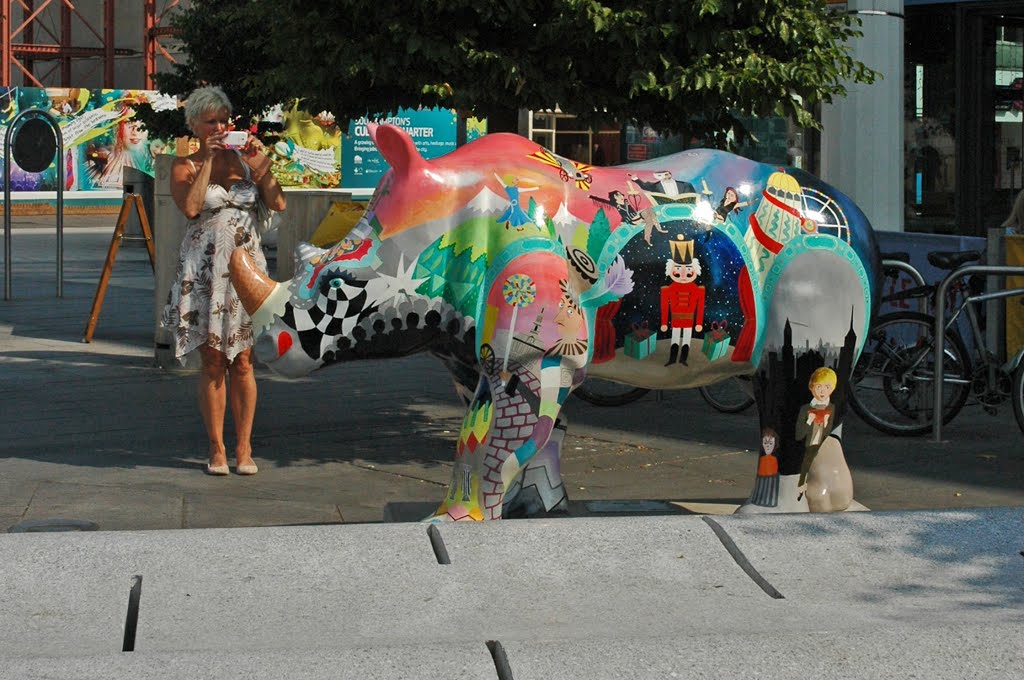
[(243, 404), (212, 402)]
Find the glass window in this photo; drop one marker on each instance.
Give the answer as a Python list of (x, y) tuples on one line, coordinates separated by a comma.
[(1009, 117), (563, 134), (544, 138), (929, 119), (573, 145), (543, 120)]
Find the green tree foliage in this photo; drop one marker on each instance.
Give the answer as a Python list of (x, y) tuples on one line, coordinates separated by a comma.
[(687, 66)]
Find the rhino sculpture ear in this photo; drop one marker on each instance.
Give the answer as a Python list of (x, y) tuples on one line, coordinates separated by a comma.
[(397, 148)]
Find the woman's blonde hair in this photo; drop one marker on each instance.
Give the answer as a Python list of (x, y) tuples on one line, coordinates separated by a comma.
[(1016, 218), (204, 100)]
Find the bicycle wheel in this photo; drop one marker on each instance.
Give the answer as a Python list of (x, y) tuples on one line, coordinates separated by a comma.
[(1017, 395), (727, 396), (607, 393), (893, 382)]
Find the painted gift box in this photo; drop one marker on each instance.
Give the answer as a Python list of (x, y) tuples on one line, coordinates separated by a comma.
[(716, 340), (640, 342)]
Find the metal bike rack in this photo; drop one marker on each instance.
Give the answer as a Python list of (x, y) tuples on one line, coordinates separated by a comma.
[(907, 269), (9, 137), (911, 271), (940, 324)]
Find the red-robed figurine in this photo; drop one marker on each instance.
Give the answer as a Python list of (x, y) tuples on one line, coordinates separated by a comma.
[(682, 300)]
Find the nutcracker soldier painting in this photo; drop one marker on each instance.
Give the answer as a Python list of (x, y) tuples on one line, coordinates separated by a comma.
[(682, 300)]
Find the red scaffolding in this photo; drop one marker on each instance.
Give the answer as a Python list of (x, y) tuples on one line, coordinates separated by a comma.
[(38, 44)]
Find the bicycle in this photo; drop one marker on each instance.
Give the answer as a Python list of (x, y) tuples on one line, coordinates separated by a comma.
[(893, 382), (727, 396), (600, 392), (899, 276)]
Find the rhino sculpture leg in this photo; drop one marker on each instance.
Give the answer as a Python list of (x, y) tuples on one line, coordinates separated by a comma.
[(797, 470), (829, 484), (497, 453), (528, 365), (539, 488), (800, 389)]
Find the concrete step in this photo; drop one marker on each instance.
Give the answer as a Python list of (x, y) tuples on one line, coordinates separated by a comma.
[(780, 589)]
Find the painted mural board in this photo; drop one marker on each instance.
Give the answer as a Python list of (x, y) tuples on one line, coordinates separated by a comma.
[(100, 137)]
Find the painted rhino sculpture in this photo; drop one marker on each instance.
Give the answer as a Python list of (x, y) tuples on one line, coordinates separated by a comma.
[(524, 272)]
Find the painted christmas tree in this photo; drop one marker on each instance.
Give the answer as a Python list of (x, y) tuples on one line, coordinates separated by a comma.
[(600, 230), (455, 264)]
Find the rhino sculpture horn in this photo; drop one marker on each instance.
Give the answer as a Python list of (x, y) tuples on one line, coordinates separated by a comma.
[(252, 285), (397, 148)]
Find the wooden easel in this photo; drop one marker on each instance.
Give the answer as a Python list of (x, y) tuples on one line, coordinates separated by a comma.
[(115, 245)]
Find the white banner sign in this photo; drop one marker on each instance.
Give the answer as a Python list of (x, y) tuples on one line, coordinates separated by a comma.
[(320, 161)]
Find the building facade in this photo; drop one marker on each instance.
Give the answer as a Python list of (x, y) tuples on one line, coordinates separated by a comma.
[(964, 114)]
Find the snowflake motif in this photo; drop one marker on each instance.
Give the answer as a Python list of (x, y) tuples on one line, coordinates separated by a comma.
[(394, 288)]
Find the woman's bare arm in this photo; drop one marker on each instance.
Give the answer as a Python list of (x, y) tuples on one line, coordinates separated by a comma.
[(188, 189), (259, 165)]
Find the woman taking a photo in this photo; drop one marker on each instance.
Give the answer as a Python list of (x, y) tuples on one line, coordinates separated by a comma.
[(222, 192)]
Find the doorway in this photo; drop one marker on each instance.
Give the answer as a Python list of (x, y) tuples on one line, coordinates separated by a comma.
[(991, 101)]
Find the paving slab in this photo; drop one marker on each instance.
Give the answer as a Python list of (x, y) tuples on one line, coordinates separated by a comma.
[(593, 577), (888, 568), (208, 511), (936, 652), (104, 415), (113, 511), (328, 587), (60, 596), (15, 496), (295, 587), (423, 662), (903, 594), (8, 520)]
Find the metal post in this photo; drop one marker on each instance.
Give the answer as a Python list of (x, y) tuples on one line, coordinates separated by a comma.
[(108, 43), (6, 50), (940, 327), (60, 204), (9, 135)]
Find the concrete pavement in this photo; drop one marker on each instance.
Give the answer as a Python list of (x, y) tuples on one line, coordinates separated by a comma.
[(861, 595), (97, 433)]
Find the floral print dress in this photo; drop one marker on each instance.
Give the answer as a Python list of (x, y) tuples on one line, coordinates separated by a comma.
[(202, 306)]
